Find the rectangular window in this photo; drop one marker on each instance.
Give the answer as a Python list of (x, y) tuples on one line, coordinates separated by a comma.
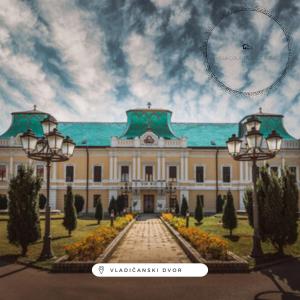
[(97, 173), (95, 199), (226, 174), (293, 170), (40, 171), (148, 173), (201, 198), (199, 174), (69, 173), (2, 172), (124, 173), (172, 172), (18, 168), (274, 170)]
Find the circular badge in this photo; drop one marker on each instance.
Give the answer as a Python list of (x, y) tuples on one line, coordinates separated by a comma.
[(248, 52)]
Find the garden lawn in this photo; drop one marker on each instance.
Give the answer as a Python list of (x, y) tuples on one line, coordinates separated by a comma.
[(60, 238), (241, 242)]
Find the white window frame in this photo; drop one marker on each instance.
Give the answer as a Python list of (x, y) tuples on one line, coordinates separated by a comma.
[(6, 171), (65, 172), (120, 171), (16, 167), (168, 171), (44, 166), (204, 173), (278, 169), (144, 171), (224, 166), (93, 173), (297, 170)]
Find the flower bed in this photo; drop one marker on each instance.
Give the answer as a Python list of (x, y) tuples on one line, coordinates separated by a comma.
[(208, 245), (93, 246)]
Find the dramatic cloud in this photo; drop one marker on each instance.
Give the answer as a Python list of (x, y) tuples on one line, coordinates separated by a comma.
[(92, 60)]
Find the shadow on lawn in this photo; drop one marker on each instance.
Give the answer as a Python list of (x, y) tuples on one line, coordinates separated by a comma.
[(233, 238), (286, 273)]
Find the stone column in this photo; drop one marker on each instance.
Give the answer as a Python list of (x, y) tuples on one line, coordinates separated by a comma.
[(111, 161), (182, 168), (139, 166), (163, 170), (115, 168), (158, 166), (133, 167), (11, 166), (186, 168)]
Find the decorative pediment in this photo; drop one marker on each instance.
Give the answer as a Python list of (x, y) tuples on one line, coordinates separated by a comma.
[(149, 139)]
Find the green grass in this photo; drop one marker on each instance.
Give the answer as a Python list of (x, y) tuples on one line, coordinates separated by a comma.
[(241, 242), (60, 238)]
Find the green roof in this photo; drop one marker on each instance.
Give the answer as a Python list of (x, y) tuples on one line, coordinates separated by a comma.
[(98, 134), (141, 120)]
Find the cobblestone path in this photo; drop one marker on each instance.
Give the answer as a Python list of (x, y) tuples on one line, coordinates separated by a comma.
[(149, 241)]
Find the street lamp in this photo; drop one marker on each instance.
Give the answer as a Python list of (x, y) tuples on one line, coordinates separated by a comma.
[(170, 189), (254, 152), (52, 147)]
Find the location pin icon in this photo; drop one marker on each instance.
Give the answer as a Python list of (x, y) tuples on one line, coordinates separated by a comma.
[(101, 269)]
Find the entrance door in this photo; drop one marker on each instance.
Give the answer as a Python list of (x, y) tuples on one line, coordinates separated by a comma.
[(148, 204)]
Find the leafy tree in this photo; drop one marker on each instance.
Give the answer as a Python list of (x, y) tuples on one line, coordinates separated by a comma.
[(79, 203), (112, 205), (184, 206), (199, 211), (229, 215), (278, 207), (24, 224), (3, 202), (42, 201), (219, 204), (70, 217), (99, 211)]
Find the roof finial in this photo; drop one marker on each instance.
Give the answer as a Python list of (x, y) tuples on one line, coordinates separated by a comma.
[(260, 110), (34, 107), (149, 105)]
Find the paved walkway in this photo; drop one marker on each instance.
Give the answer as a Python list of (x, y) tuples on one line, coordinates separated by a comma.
[(276, 283), (149, 241)]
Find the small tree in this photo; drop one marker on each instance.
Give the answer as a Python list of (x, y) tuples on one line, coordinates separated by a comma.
[(112, 205), (99, 211), (278, 207), (120, 204), (70, 217), (3, 202), (248, 202), (229, 216), (219, 204), (176, 207), (199, 211), (23, 224), (79, 203), (184, 206), (42, 201)]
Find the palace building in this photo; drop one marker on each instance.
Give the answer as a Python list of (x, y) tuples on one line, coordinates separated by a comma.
[(150, 160)]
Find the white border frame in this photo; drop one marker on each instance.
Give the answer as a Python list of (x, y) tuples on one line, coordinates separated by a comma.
[(65, 173), (93, 172), (204, 173)]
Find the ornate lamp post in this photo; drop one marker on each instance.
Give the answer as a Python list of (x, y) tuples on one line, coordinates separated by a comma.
[(52, 147), (170, 189), (254, 152)]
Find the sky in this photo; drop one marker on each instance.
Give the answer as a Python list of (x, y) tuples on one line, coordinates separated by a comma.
[(93, 60)]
